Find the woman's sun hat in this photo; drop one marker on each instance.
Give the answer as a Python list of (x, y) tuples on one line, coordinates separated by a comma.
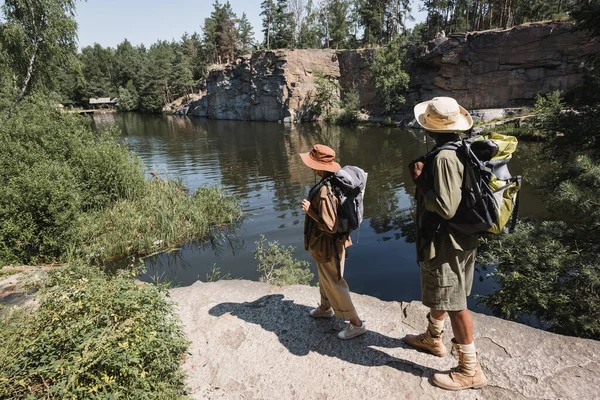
[(321, 158), (443, 115)]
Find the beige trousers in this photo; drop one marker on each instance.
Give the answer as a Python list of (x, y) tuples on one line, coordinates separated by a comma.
[(335, 292)]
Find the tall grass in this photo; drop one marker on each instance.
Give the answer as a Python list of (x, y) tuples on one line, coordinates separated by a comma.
[(163, 218)]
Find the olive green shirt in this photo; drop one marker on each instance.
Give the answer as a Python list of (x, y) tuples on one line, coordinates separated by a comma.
[(444, 173)]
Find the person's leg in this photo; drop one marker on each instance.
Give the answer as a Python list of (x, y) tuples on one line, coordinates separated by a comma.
[(468, 374), (324, 305), (338, 293), (462, 326), (431, 340), (324, 310)]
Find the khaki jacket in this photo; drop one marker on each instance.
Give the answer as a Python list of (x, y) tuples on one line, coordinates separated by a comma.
[(320, 237), (445, 175)]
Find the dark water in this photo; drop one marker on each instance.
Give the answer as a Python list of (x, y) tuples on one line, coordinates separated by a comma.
[(259, 163)]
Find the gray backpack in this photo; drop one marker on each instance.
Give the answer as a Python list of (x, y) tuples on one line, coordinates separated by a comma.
[(348, 185)]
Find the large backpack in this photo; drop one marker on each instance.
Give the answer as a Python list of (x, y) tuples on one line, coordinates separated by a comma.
[(348, 185), (490, 194)]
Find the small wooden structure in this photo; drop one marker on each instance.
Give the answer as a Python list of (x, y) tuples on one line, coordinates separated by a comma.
[(102, 102)]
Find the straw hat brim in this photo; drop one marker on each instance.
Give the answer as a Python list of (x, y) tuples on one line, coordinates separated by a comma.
[(463, 124), (319, 166)]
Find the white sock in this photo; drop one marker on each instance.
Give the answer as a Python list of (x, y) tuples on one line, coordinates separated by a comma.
[(468, 348), (469, 357), (436, 326)]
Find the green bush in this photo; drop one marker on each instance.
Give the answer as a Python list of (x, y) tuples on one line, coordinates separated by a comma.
[(391, 82), (38, 208), (93, 336), (349, 114), (277, 265), (550, 271), (327, 95), (53, 167), (128, 98)]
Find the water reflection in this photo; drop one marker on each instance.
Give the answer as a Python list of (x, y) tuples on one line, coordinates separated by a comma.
[(259, 163)]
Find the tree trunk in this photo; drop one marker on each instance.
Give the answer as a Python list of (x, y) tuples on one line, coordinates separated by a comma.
[(26, 81), (268, 30)]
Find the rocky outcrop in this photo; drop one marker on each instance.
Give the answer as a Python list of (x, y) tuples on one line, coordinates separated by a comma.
[(491, 69), (266, 86), (250, 340), (503, 68)]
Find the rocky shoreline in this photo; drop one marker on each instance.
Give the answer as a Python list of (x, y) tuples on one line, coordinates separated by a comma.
[(251, 340)]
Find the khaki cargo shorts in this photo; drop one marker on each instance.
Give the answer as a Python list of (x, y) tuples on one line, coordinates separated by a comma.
[(446, 279)]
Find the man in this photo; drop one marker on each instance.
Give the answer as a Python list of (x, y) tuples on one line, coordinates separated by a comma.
[(446, 257)]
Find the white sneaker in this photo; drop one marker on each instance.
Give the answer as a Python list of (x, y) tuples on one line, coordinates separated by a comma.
[(351, 331), (320, 313)]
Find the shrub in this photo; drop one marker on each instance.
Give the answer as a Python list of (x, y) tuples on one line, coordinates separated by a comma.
[(93, 336), (550, 270), (277, 265), (53, 167), (37, 210), (327, 95), (391, 82), (128, 98), (349, 115)]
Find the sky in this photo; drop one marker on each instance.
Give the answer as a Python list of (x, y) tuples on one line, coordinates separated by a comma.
[(109, 22)]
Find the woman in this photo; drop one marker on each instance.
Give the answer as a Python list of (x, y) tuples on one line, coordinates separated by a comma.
[(327, 248)]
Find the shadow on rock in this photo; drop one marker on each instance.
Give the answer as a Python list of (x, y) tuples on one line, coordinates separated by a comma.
[(301, 334)]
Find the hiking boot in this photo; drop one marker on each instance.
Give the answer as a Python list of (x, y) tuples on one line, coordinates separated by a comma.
[(320, 313), (425, 341), (468, 374), (351, 331)]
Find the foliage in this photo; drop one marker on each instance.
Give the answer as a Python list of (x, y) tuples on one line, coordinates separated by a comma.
[(39, 38), (349, 114), (326, 98), (391, 82), (468, 15), (245, 35), (128, 98), (551, 270), (278, 24), (543, 274), (221, 33), (277, 265), (93, 336), (53, 167), (163, 218)]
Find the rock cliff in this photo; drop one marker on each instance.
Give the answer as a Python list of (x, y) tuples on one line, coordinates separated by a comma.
[(491, 69), (250, 340)]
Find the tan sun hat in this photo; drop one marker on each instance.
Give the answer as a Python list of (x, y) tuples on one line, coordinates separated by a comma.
[(321, 158), (444, 115)]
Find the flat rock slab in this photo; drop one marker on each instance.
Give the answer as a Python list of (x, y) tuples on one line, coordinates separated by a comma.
[(251, 340)]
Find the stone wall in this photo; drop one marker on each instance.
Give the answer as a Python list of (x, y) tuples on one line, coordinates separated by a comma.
[(266, 86), (491, 69), (503, 68)]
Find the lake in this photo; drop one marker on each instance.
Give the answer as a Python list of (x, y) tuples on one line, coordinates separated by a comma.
[(259, 163)]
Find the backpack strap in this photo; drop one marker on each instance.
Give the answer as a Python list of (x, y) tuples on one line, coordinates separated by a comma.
[(513, 218)]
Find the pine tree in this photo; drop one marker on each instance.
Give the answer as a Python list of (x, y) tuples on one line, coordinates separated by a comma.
[(220, 33), (268, 11), (309, 35), (245, 35), (283, 35)]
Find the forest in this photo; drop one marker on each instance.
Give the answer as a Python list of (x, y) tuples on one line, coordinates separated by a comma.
[(147, 78)]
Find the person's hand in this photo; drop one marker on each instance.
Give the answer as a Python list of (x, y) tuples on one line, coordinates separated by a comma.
[(305, 205), (416, 169)]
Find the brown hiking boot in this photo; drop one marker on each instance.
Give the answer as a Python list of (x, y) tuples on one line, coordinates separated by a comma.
[(463, 376), (425, 341)]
